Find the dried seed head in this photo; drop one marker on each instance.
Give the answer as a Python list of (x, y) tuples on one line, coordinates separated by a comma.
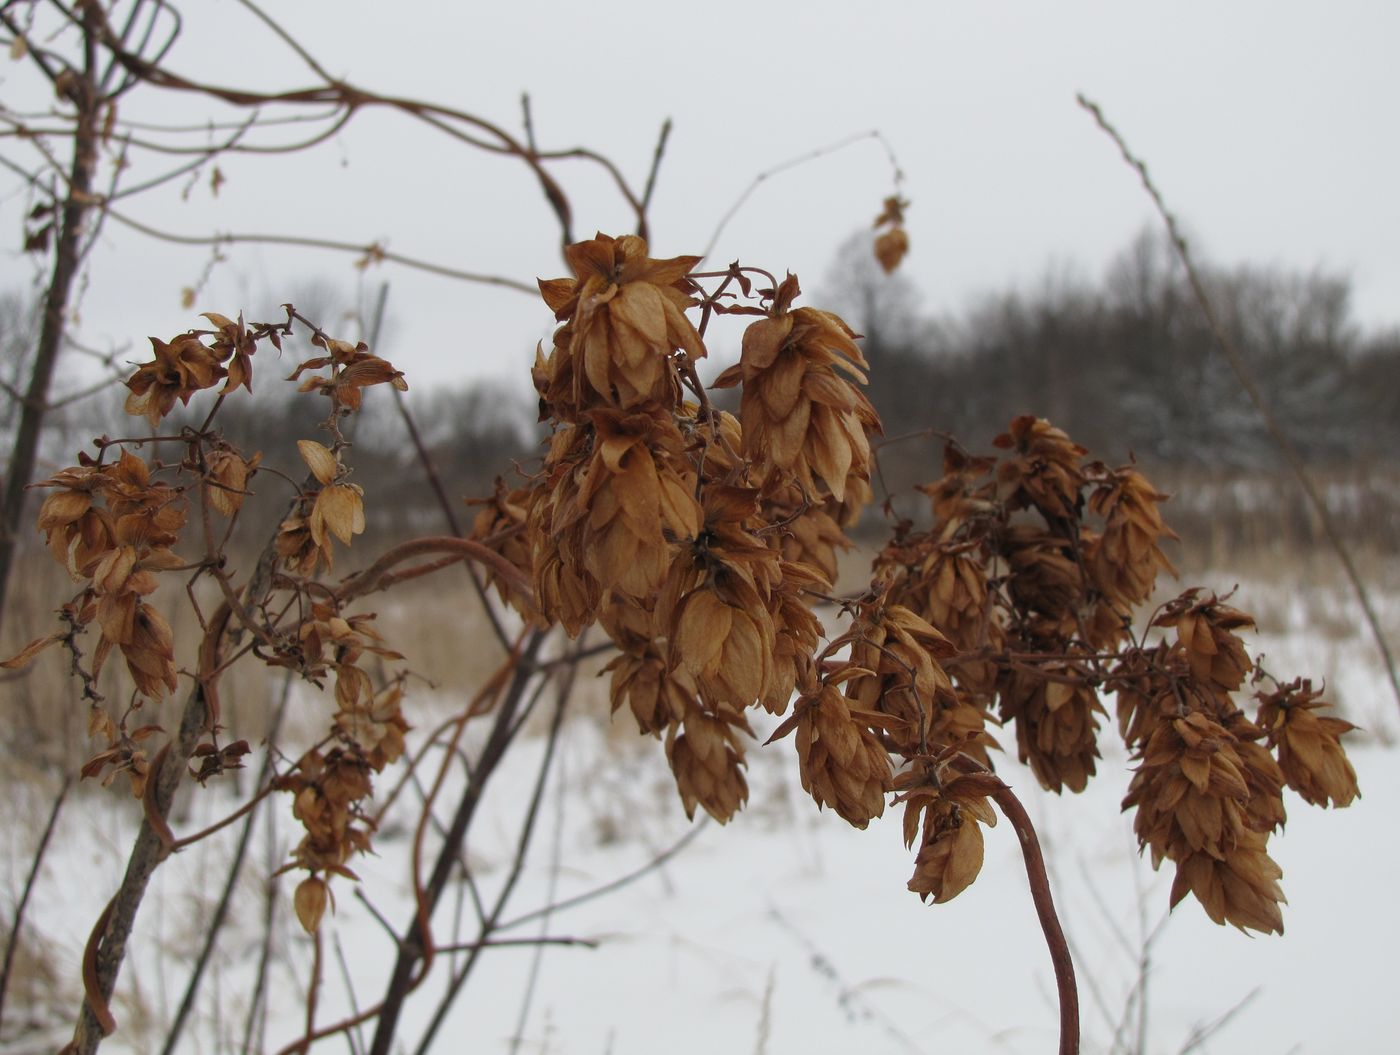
[(1126, 557), (953, 807), (708, 761), (841, 763), (309, 901), (1044, 469), (179, 370), (1056, 715), (501, 525), (1309, 744), (227, 476), (1205, 632), (891, 247), (801, 409), (624, 316)]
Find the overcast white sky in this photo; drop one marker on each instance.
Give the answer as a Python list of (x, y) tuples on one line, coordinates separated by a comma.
[(1269, 125)]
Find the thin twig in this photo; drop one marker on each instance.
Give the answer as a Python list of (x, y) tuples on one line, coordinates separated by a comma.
[(656, 157), (1201, 1034), (615, 884), (497, 943), (372, 251), (415, 946), (556, 852), (235, 869), (527, 829), (256, 1003), (12, 943), (783, 166), (1256, 396), (352, 1036), (449, 513)]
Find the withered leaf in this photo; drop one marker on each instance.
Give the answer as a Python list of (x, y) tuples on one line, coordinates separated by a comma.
[(319, 460), (25, 656)]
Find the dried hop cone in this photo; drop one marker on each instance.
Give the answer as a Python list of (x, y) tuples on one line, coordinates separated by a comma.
[(1125, 559), (892, 244), (891, 247), (1043, 468), (623, 315), (1309, 744), (953, 807), (1205, 632), (707, 760), (1193, 792), (801, 410), (179, 370), (841, 763)]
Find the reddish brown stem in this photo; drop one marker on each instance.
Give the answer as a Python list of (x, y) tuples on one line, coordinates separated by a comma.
[(369, 580), (1065, 985)]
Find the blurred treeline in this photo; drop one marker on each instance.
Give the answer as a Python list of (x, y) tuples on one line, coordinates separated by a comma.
[(1126, 364)]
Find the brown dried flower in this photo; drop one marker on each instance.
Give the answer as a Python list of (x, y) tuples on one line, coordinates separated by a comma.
[(1309, 744), (180, 369), (841, 763), (801, 410), (624, 315)]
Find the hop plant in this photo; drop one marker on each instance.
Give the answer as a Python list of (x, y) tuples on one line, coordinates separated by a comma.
[(703, 545)]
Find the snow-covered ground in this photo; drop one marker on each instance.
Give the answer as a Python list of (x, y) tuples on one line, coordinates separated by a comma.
[(786, 931)]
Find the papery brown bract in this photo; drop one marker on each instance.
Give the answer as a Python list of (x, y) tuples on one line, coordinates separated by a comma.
[(892, 244), (624, 315), (1126, 557), (1192, 791), (338, 510), (797, 633), (1042, 470), (1205, 630), (327, 792), (112, 526), (234, 346), (1056, 720), (309, 902), (1045, 583), (501, 526), (727, 648), (656, 694), (180, 368), (227, 476), (298, 550), (1309, 744), (375, 722), (953, 807), (800, 409), (840, 762), (77, 531), (905, 679), (353, 369), (706, 753), (891, 247), (629, 499)]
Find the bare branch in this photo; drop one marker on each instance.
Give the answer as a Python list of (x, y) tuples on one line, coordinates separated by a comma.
[(1251, 388), (12, 942), (370, 252)]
